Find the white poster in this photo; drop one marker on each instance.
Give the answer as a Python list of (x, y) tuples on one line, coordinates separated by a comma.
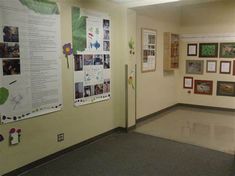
[(30, 69), (148, 50), (92, 71)]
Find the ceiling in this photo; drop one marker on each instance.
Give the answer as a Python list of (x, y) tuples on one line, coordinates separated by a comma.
[(141, 3)]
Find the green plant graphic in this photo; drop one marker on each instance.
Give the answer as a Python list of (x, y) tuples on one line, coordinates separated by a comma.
[(78, 30), (41, 6), (4, 94), (208, 50)]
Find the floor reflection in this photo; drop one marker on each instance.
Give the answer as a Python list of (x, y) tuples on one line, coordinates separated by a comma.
[(207, 128)]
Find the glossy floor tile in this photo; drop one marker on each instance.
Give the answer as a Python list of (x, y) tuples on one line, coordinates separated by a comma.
[(212, 129)]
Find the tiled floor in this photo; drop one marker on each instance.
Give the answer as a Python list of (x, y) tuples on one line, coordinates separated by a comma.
[(212, 129)]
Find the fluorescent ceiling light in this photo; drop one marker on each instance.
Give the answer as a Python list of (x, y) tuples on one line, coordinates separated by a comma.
[(137, 3)]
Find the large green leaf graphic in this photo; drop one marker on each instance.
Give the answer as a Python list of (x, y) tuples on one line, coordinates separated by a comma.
[(4, 94), (78, 30), (41, 6)]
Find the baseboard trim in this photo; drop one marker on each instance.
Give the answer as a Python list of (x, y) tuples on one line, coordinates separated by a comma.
[(206, 107), (156, 113), (62, 152), (182, 105)]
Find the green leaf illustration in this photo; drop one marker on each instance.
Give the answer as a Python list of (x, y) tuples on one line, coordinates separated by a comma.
[(78, 30), (45, 7), (4, 94)]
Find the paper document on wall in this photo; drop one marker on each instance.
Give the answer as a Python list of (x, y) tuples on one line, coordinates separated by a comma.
[(30, 69)]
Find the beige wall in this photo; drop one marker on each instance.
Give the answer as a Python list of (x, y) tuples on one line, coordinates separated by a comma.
[(156, 90), (214, 18), (78, 124)]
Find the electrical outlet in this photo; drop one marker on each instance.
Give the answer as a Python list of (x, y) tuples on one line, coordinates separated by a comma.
[(60, 137)]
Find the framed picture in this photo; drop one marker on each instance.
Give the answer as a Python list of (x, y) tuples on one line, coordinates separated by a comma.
[(192, 49), (211, 66), (225, 67), (227, 50), (203, 87), (225, 88), (148, 58), (234, 67), (188, 82), (208, 50), (194, 66)]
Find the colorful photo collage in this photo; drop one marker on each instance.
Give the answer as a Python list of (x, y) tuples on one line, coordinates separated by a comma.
[(82, 91), (106, 37), (10, 51), (97, 91), (89, 59)]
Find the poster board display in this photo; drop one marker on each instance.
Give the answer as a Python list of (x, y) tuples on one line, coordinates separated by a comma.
[(148, 58), (30, 68), (92, 59)]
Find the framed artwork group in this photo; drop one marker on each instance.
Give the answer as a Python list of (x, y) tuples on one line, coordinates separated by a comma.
[(206, 55), (208, 51)]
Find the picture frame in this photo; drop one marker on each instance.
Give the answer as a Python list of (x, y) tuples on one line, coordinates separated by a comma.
[(225, 88), (194, 66), (192, 49), (204, 87), (227, 50), (148, 50), (225, 67), (211, 66), (188, 82), (208, 50), (234, 67)]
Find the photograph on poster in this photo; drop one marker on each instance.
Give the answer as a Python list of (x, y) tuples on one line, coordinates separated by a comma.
[(79, 90), (106, 45), (225, 88), (227, 50), (203, 87), (98, 89), (106, 85), (208, 50), (10, 34), (88, 59), (192, 49), (88, 91), (194, 66), (78, 62), (106, 24), (106, 61), (225, 67), (98, 59), (106, 35), (11, 67), (211, 66), (9, 50), (188, 82)]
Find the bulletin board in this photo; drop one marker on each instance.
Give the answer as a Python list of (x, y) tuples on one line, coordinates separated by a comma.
[(92, 61), (30, 68), (148, 58)]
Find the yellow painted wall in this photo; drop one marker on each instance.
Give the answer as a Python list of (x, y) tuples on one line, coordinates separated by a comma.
[(39, 135), (156, 90), (213, 18)]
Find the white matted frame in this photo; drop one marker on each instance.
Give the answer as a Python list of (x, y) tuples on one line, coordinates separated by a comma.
[(148, 50), (211, 66)]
